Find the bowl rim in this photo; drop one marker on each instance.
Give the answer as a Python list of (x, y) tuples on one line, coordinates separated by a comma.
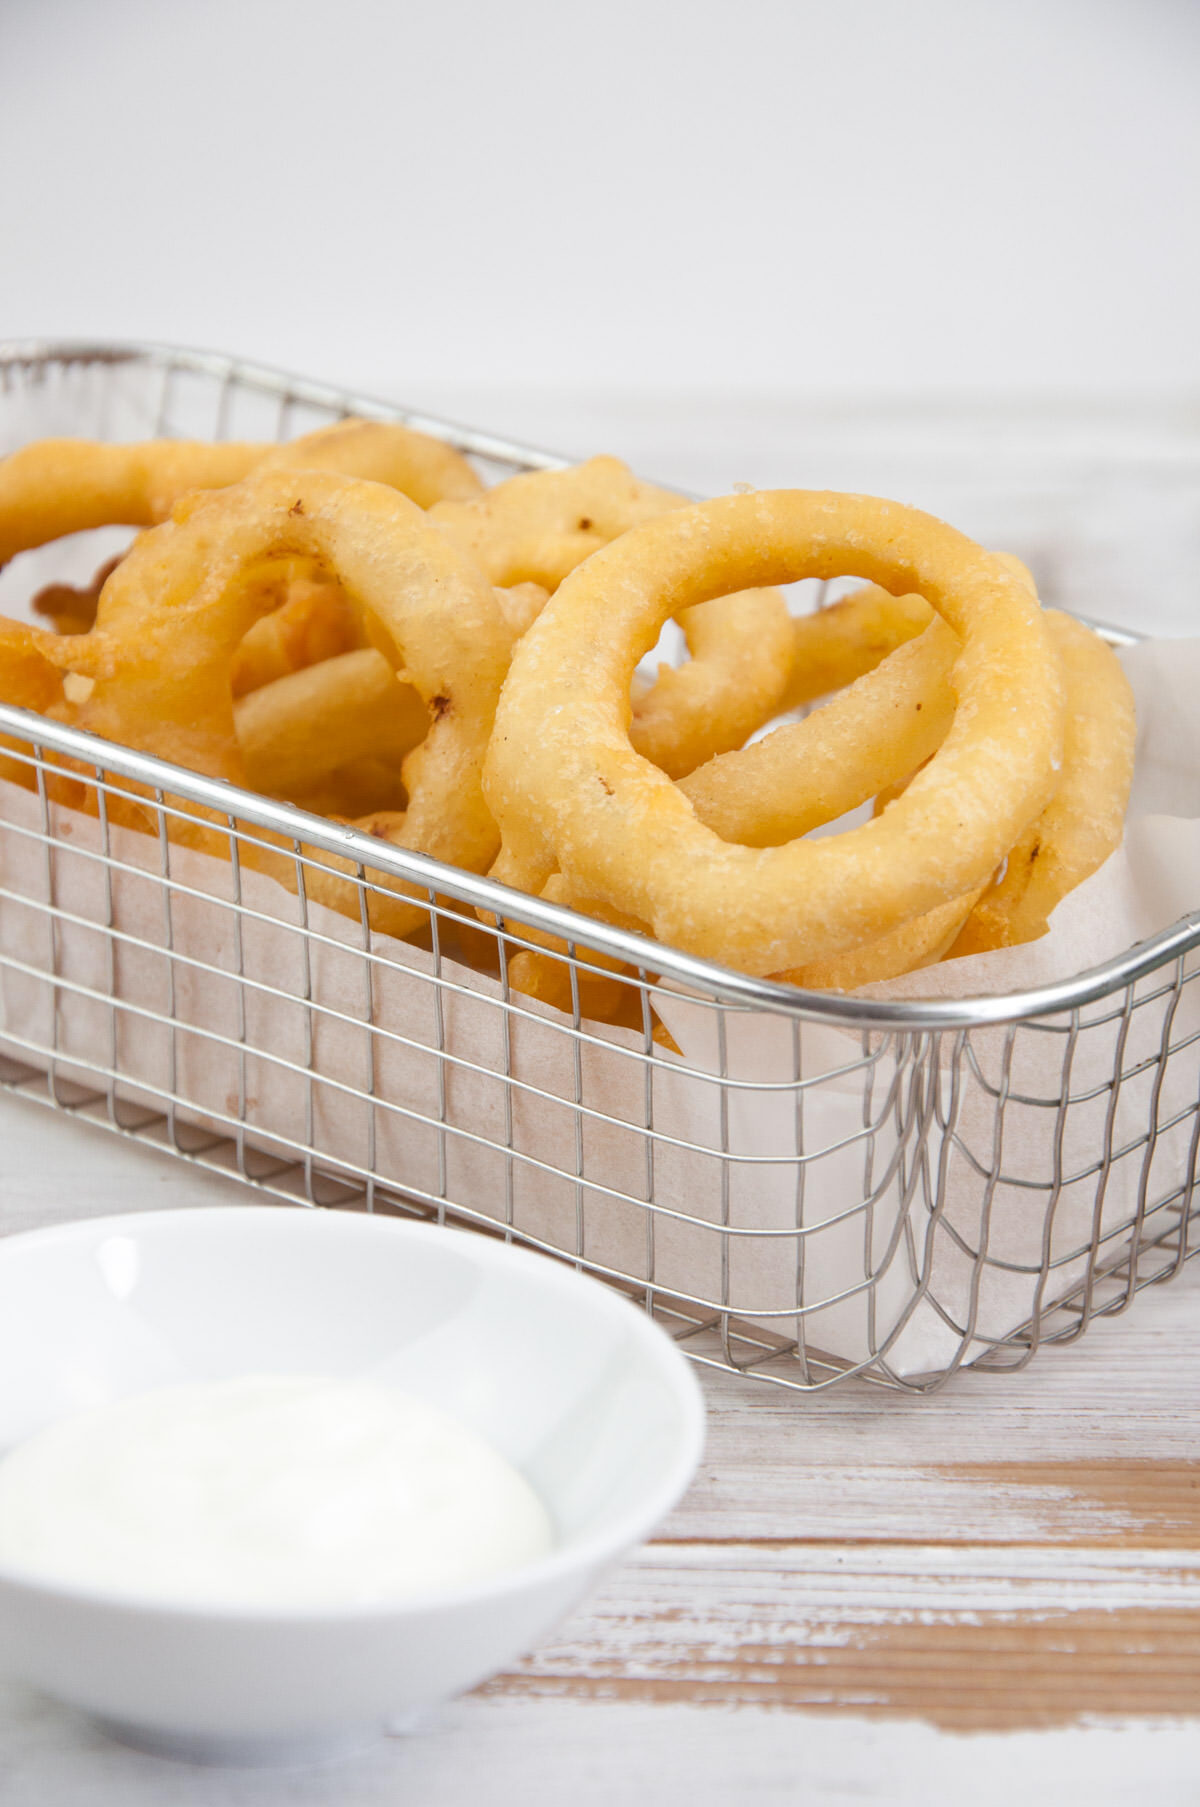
[(581, 1555)]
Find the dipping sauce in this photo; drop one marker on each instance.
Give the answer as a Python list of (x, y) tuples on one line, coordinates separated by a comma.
[(267, 1491)]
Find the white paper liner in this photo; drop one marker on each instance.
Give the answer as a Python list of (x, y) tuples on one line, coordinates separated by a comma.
[(300, 1048)]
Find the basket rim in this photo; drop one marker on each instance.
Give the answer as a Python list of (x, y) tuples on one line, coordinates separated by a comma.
[(685, 971)]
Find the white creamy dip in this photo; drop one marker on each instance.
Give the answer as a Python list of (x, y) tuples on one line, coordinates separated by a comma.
[(267, 1491)]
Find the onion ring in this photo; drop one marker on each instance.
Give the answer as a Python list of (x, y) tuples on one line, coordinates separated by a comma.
[(807, 773), (869, 739), (571, 794), (28, 680), (800, 777), (734, 682), (540, 527), (423, 468), (59, 486), (536, 528), (923, 941), (1084, 820), (295, 732), (172, 613), (329, 702), (834, 645), (313, 620)]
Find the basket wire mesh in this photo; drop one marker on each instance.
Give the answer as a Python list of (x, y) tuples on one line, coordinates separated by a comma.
[(823, 1187)]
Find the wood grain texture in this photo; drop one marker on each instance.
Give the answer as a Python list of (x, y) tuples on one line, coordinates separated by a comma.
[(504, 1751), (965, 1639), (1017, 1552), (853, 1583), (1131, 1500), (1097, 1441)]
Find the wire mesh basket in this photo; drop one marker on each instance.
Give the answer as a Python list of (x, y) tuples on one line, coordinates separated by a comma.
[(800, 1186)]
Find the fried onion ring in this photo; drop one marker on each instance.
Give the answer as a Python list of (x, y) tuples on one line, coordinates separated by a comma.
[(866, 742), (807, 773), (1084, 820), (59, 486), (834, 645), (536, 528), (423, 468), (733, 683), (309, 619), (800, 777), (297, 731), (921, 942), (313, 620), (28, 680), (173, 612), (570, 794), (540, 527)]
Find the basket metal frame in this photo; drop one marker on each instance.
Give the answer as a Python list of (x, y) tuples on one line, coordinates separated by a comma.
[(902, 1043)]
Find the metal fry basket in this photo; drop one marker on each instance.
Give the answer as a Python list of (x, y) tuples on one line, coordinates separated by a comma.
[(800, 1187)]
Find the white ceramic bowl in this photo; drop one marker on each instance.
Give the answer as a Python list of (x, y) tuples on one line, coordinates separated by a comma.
[(572, 1384)]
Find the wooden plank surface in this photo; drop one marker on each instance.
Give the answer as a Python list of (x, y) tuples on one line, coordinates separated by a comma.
[(1017, 1552), (990, 1593)]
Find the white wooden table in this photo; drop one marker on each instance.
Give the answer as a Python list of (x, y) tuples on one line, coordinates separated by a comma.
[(987, 1596)]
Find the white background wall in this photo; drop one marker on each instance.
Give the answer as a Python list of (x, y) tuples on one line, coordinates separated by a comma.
[(775, 195)]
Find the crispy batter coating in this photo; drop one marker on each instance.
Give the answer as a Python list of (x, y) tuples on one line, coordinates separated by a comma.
[(58, 486), (173, 612), (1084, 820), (584, 804)]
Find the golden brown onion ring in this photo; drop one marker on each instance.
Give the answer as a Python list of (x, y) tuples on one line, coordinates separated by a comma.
[(807, 773), (59, 486), (574, 797), (833, 646), (800, 777), (1084, 820), (536, 528), (28, 680), (540, 526), (172, 613), (295, 732), (424, 469), (921, 942), (733, 683), (313, 620)]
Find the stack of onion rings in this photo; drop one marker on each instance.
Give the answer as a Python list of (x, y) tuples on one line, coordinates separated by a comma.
[(174, 611), (352, 622), (537, 528), (621, 834)]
